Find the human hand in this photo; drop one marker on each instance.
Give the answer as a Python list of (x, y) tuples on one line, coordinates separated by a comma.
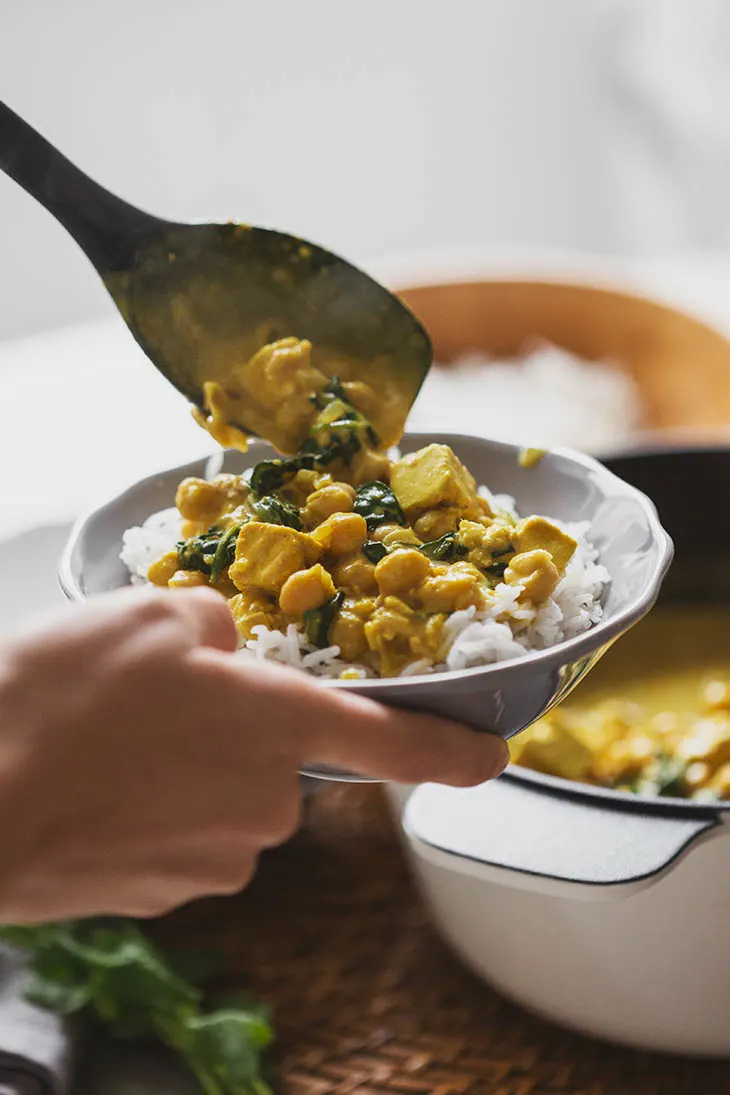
[(143, 763)]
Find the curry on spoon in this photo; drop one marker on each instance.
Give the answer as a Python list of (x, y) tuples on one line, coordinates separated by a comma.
[(203, 299)]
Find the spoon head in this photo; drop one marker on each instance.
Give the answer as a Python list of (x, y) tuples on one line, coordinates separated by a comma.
[(203, 299)]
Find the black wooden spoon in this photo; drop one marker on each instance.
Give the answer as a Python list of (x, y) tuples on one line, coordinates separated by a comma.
[(203, 298)]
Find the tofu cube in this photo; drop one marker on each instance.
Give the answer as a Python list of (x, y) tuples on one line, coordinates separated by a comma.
[(430, 478), (266, 555), (535, 533)]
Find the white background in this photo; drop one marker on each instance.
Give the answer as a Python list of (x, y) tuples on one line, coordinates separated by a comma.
[(598, 125), (389, 125)]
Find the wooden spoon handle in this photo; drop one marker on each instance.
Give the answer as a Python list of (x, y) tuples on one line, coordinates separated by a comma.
[(105, 227)]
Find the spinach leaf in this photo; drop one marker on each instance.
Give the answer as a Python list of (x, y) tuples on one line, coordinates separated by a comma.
[(276, 511), (269, 475), (111, 971), (444, 550), (345, 420), (335, 390), (345, 441), (313, 455), (374, 551), (198, 552), (332, 390), (318, 621), (669, 777), (377, 504), (497, 569), (225, 553)]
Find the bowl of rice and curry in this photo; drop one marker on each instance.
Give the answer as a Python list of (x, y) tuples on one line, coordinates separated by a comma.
[(451, 573)]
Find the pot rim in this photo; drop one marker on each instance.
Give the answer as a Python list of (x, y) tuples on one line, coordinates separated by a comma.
[(587, 794)]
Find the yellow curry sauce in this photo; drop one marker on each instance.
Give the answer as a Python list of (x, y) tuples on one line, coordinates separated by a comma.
[(653, 717), (361, 551), (273, 394)]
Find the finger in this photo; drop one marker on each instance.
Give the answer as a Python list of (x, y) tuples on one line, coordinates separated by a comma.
[(383, 743), (199, 616), (207, 616)]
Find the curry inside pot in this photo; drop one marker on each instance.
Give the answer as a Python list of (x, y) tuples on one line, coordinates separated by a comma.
[(654, 716)]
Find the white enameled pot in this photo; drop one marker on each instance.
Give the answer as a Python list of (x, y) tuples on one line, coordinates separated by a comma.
[(607, 912), (609, 916)]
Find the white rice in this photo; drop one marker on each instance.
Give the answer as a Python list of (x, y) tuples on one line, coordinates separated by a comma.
[(506, 629), (548, 397)]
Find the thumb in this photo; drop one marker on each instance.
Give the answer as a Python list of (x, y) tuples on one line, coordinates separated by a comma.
[(385, 743)]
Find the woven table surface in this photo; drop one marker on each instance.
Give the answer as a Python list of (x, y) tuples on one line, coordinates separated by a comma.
[(366, 998)]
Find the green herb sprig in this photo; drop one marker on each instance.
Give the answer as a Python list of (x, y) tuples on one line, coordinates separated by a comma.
[(111, 971)]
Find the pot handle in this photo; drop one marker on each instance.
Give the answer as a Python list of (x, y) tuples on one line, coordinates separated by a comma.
[(533, 837)]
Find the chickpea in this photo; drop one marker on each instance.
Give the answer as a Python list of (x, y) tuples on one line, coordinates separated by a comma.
[(306, 589), (341, 533), (348, 632), (251, 609), (394, 534), (203, 501), (449, 588), (184, 579), (198, 500), (367, 466), (535, 572), (437, 522), (302, 485), (404, 569), (356, 575), (164, 569), (362, 607), (335, 498)]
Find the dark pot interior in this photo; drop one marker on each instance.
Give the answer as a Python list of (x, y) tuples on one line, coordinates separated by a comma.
[(691, 490)]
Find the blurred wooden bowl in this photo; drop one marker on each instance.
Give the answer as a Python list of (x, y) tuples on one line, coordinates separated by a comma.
[(680, 364)]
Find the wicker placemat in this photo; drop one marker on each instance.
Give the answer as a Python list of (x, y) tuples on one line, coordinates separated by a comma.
[(368, 1000)]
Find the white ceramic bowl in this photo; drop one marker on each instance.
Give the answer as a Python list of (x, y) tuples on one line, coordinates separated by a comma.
[(502, 698)]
